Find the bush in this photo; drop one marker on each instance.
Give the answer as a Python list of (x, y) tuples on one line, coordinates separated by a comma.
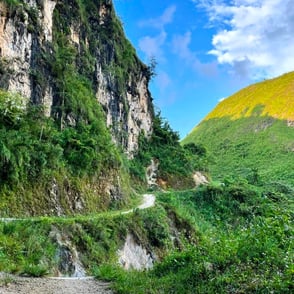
[(176, 163)]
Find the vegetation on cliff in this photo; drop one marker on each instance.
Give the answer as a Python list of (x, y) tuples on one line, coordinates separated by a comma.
[(176, 163), (231, 236), (48, 165), (34, 151), (250, 134)]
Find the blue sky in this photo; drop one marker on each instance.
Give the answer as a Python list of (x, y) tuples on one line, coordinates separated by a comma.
[(207, 50)]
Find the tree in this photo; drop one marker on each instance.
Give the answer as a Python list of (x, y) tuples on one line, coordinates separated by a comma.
[(151, 68)]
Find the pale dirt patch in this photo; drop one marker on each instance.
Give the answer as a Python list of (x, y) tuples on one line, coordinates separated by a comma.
[(200, 179), (148, 201), (55, 286)]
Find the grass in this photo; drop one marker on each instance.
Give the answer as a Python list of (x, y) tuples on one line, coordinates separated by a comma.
[(28, 247), (247, 135), (256, 148), (244, 245), (5, 280), (268, 98)]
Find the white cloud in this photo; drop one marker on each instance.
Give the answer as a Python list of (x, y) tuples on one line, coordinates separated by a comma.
[(162, 20), (152, 46), (256, 37), (181, 45), (162, 80)]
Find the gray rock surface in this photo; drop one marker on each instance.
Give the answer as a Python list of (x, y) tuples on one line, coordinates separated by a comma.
[(55, 286)]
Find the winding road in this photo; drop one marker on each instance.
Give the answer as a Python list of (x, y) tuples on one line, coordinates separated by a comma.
[(148, 201), (87, 285)]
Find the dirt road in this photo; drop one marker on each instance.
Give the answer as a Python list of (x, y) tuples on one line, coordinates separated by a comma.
[(55, 286), (148, 201), (87, 285)]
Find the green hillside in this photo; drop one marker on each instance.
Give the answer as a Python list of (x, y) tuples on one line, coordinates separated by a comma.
[(250, 134)]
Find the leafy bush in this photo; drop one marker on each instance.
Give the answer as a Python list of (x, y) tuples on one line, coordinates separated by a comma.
[(176, 163), (34, 152), (12, 108)]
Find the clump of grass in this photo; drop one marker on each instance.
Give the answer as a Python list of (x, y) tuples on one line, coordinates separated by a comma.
[(6, 279)]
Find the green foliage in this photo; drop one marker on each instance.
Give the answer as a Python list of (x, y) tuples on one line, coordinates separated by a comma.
[(151, 69), (256, 148), (22, 12), (176, 163), (28, 148), (12, 3), (151, 226), (245, 244), (24, 248), (33, 151), (12, 108), (29, 247)]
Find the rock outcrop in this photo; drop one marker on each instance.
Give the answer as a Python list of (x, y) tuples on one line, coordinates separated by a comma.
[(31, 34), (200, 179), (135, 256)]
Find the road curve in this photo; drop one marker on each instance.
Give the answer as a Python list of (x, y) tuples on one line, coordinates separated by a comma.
[(148, 201), (86, 285)]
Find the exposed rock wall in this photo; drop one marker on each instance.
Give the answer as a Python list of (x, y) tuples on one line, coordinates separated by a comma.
[(151, 173), (135, 256), (28, 34), (21, 45), (67, 257), (16, 48), (200, 179)]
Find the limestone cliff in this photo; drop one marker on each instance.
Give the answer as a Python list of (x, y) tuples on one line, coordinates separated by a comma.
[(41, 39), (72, 60)]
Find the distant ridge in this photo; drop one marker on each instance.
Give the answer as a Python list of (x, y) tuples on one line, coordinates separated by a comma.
[(252, 130), (273, 97)]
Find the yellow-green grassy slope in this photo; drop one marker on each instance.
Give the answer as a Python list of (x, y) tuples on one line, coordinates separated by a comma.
[(251, 133)]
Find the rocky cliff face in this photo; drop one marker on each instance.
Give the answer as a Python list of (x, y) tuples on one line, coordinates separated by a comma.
[(25, 31), (35, 34)]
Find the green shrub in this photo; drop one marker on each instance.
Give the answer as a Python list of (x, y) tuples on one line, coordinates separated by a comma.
[(176, 163)]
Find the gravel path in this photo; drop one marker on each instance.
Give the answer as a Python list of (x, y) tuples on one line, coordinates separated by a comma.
[(148, 201), (55, 286)]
